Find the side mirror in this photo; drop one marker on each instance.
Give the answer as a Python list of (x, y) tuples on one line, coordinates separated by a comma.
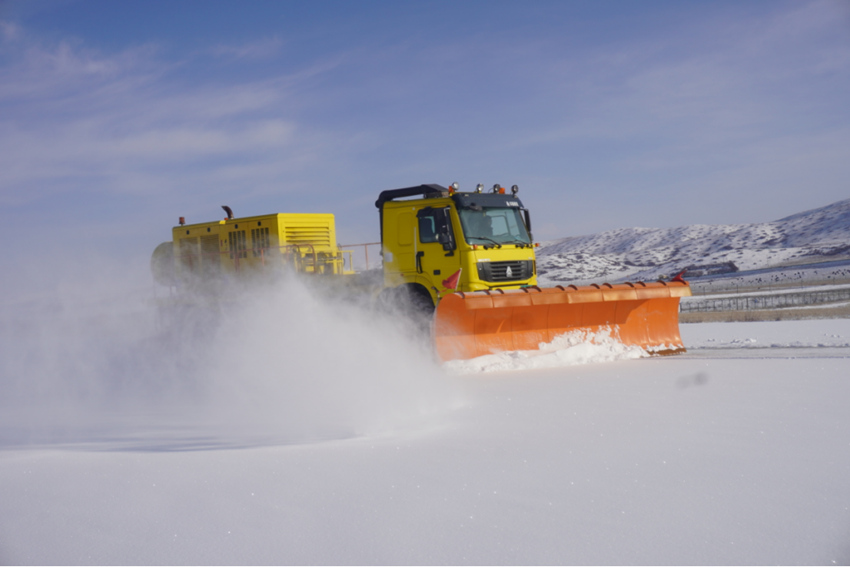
[(444, 233), (444, 238)]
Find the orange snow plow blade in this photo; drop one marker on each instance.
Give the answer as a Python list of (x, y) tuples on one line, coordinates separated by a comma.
[(474, 324)]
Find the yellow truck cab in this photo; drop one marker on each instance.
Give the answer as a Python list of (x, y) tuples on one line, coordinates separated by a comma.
[(436, 240)]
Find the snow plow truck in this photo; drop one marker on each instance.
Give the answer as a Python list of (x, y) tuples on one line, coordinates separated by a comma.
[(464, 258)]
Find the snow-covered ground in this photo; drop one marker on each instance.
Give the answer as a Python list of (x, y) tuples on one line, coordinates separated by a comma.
[(303, 432)]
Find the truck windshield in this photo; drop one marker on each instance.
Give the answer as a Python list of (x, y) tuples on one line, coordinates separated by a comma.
[(493, 225)]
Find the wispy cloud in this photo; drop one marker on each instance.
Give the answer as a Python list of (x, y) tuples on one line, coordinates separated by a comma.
[(8, 31), (78, 118), (713, 93), (253, 50), (699, 104)]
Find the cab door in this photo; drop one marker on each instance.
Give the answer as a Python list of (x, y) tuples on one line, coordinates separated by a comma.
[(436, 258)]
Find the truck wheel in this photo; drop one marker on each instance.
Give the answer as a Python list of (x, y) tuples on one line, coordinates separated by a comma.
[(420, 302), (408, 300)]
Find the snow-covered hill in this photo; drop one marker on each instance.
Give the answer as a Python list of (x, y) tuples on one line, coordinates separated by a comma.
[(817, 235)]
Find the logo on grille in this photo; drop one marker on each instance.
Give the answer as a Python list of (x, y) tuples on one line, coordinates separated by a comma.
[(508, 272)]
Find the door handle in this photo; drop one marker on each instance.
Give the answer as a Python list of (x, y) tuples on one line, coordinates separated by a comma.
[(419, 261)]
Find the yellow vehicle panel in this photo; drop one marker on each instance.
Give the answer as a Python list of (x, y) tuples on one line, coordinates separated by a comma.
[(304, 241)]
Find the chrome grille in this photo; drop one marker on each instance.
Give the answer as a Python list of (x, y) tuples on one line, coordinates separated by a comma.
[(513, 270)]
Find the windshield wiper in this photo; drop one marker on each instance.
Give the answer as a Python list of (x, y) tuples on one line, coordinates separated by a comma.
[(498, 245)]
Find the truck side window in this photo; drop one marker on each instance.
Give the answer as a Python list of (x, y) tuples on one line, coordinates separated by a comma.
[(435, 226), (427, 228)]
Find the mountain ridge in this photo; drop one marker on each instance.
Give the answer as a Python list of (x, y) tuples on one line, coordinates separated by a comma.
[(811, 236)]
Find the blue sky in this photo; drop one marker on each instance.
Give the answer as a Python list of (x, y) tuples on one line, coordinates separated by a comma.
[(116, 118)]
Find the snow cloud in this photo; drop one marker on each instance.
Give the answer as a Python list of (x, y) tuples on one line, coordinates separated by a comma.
[(279, 365)]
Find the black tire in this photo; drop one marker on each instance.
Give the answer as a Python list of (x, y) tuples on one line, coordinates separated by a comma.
[(420, 302), (410, 301)]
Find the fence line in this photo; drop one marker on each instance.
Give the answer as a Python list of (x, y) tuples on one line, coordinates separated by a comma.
[(738, 284), (774, 301), (365, 246)]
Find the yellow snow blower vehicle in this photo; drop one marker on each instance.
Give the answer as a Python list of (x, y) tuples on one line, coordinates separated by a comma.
[(465, 257)]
